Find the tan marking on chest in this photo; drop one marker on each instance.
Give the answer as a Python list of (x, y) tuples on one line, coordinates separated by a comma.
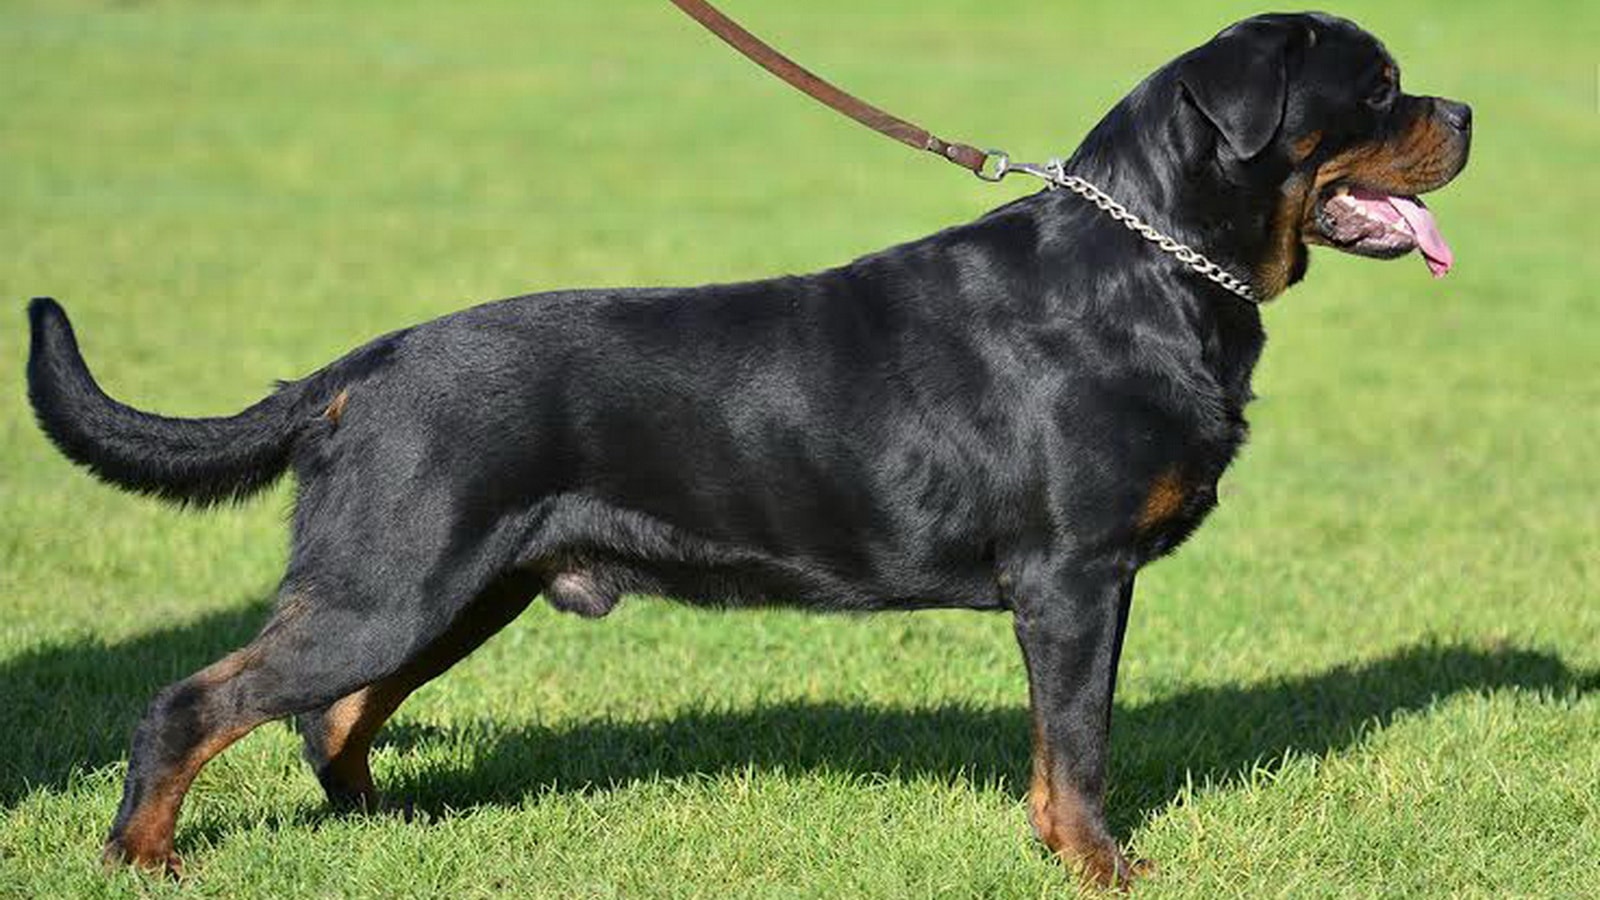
[(1164, 500)]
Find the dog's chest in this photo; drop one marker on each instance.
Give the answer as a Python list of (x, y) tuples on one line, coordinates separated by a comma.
[(1183, 490), (1178, 499)]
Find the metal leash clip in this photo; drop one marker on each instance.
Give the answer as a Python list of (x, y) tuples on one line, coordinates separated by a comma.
[(1002, 166), (1051, 173)]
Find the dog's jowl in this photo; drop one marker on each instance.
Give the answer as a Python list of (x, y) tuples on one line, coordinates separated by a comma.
[(1014, 414)]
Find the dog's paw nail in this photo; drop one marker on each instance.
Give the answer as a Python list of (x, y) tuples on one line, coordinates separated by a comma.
[(116, 856)]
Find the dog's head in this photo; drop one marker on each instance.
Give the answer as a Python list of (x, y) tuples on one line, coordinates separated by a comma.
[(1298, 126)]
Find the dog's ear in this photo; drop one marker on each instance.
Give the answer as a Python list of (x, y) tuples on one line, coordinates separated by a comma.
[(1240, 82)]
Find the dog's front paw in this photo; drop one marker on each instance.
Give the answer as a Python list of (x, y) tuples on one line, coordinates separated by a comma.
[(1105, 867)]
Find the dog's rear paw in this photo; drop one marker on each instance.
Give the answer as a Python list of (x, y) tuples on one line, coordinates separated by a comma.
[(116, 854)]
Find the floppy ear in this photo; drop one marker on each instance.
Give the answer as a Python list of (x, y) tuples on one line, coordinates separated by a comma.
[(1239, 81)]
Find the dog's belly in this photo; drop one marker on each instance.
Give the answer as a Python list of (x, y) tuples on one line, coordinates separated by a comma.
[(591, 553)]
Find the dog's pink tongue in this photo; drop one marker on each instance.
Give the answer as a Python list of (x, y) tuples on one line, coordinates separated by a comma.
[(1435, 252)]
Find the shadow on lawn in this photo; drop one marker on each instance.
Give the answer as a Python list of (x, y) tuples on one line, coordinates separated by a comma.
[(71, 707), (1217, 733)]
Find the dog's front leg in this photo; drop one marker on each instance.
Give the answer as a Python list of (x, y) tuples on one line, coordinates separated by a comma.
[(1069, 621)]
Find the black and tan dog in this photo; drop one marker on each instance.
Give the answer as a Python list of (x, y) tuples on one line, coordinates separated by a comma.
[(1015, 414)]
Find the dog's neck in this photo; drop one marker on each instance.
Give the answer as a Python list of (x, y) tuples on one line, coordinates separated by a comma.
[(1155, 155)]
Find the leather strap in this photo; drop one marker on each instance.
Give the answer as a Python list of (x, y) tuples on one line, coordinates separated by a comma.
[(963, 155)]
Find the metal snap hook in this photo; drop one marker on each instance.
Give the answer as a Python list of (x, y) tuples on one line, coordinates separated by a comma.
[(1002, 165)]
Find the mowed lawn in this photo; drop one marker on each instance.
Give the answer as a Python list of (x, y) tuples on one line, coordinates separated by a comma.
[(1375, 672)]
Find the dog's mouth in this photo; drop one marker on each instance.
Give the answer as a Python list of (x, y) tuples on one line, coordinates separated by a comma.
[(1369, 222)]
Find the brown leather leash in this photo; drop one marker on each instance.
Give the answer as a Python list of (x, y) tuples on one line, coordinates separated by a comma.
[(1054, 173), (802, 79)]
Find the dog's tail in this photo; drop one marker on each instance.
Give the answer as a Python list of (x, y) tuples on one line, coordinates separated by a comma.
[(197, 461)]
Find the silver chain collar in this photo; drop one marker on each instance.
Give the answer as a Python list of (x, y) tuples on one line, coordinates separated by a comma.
[(1055, 174)]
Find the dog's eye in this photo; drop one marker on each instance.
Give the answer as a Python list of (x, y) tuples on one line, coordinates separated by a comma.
[(1384, 96)]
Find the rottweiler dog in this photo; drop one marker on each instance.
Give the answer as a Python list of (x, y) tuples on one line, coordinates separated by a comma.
[(1013, 414)]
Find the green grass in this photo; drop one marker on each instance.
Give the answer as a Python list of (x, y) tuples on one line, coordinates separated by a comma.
[(1373, 672)]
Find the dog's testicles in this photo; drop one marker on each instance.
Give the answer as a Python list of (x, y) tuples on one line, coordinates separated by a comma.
[(579, 592)]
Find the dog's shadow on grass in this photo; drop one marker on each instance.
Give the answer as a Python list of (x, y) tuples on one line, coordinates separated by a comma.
[(70, 707), (1210, 734)]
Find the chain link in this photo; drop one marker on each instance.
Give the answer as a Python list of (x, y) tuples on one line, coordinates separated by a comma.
[(1055, 173)]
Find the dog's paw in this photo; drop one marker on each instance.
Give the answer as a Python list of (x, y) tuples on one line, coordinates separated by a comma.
[(1108, 869), (354, 802), (117, 854)]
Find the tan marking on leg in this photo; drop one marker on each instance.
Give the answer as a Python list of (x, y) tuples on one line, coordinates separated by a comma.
[(146, 840), (349, 727), (291, 607), (146, 837), (1063, 822), (226, 667)]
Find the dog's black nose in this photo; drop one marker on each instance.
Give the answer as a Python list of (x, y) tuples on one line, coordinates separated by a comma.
[(1459, 115)]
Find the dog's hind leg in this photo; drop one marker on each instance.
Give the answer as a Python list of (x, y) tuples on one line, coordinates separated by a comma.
[(338, 737), (309, 654)]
